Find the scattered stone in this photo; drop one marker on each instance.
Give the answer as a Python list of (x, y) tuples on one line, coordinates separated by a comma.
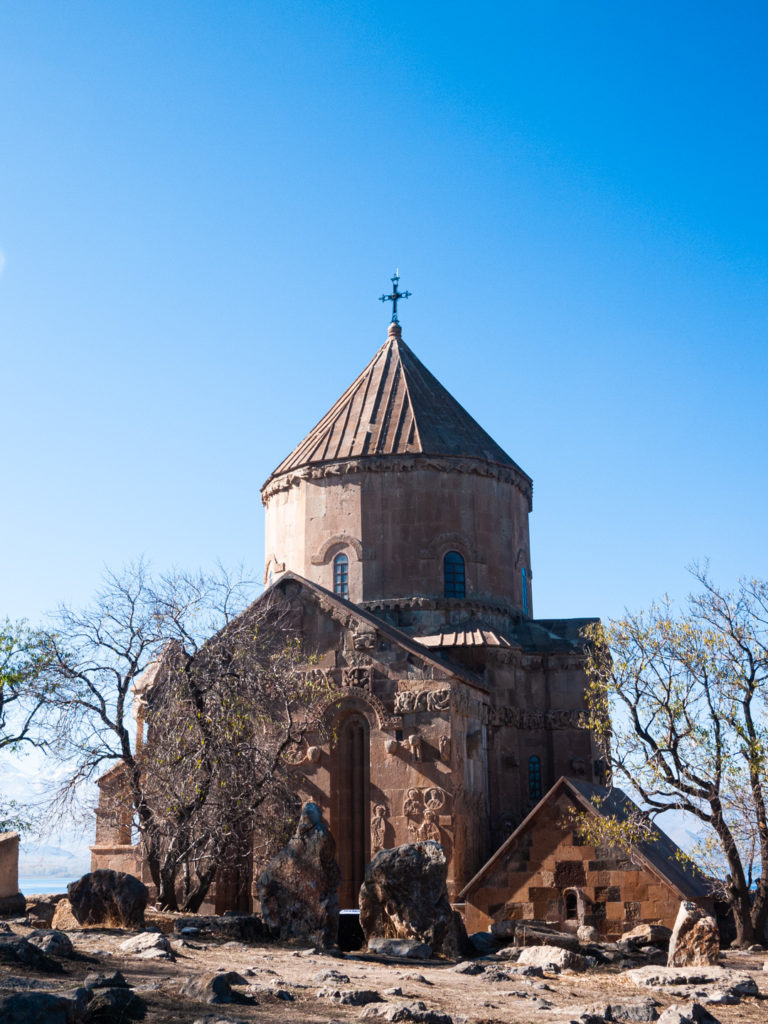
[(16, 950), (52, 941), (413, 949), (210, 1018), (115, 1006), (350, 996), (688, 981), (404, 895), (244, 927), (108, 897), (217, 988), (648, 935), (299, 887), (687, 1013), (413, 1011), (145, 942), (469, 967), (396, 991), (504, 930), (640, 1012), (114, 980), (755, 948), (585, 933), (695, 939), (527, 935), (552, 956), (335, 977), (540, 1004), (63, 919), (413, 976), (40, 909)]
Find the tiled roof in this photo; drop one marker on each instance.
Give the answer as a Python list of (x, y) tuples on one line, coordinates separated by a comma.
[(395, 407), (468, 636)]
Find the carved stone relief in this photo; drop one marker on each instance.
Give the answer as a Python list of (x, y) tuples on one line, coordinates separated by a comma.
[(444, 745), (422, 809), (525, 719), (378, 828), (410, 701)]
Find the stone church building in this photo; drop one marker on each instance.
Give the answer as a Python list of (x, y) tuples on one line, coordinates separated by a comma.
[(397, 536)]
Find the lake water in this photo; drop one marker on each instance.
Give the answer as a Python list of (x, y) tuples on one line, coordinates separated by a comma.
[(40, 884)]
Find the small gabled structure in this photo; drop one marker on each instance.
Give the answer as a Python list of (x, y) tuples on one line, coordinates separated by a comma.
[(544, 872)]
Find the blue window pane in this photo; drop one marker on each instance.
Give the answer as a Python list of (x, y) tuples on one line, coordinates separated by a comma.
[(341, 575), (453, 575), (534, 779)]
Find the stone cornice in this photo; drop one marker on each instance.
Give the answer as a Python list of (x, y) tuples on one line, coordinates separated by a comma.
[(401, 464), (474, 607)]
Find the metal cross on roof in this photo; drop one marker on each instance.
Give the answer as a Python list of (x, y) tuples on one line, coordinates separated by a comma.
[(395, 279)]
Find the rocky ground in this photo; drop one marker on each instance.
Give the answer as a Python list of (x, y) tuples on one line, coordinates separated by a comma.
[(174, 977)]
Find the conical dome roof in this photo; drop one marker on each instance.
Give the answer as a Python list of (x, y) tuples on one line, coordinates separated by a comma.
[(395, 407)]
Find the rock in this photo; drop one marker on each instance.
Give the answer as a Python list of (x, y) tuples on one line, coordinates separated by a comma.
[(687, 1013), (114, 980), (217, 988), (411, 948), (544, 956), (38, 1008), (350, 996), (483, 943), (471, 967), (52, 941), (63, 919), (413, 976), (456, 942), (691, 981), (527, 935), (648, 935), (299, 887), (404, 895), (329, 975), (144, 942), (10, 906), (115, 1006), (40, 909), (695, 938), (243, 927), (16, 950), (585, 933), (413, 1011), (640, 1012), (504, 930), (108, 897)]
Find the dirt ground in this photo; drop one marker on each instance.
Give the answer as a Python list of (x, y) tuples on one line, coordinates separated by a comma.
[(474, 998)]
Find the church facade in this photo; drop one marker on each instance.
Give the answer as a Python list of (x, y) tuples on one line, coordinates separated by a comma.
[(397, 539)]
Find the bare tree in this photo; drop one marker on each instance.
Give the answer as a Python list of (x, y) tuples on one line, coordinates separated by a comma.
[(224, 699), (679, 704), (21, 663)]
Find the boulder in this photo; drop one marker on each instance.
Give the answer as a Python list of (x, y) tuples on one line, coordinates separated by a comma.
[(115, 1006), (411, 948), (695, 939), (217, 988), (299, 887), (585, 933), (456, 942), (38, 1008), (687, 1013), (633, 1012), (115, 979), (483, 943), (350, 996), (40, 909), (690, 982), (12, 906), (145, 941), (52, 941), (536, 935), (16, 950), (108, 897), (413, 1011), (648, 935), (63, 919), (555, 956), (404, 895)]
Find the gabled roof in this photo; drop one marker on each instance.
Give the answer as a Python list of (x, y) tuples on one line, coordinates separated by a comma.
[(395, 407), (396, 636), (661, 855)]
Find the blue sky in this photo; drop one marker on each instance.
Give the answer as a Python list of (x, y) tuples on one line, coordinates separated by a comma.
[(200, 203)]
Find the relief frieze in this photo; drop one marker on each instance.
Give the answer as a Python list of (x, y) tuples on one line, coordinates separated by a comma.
[(524, 718)]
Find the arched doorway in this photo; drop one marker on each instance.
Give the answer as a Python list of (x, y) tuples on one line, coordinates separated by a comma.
[(350, 803)]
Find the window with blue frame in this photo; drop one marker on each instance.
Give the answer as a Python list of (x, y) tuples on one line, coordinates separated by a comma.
[(341, 575), (534, 779), (454, 579)]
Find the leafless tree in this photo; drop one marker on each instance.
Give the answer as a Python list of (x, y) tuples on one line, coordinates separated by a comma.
[(679, 704), (224, 700)]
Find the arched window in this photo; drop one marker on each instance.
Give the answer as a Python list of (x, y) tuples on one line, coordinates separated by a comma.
[(341, 575), (534, 779), (571, 906), (453, 575), (524, 575)]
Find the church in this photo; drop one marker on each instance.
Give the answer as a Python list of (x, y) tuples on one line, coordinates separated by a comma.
[(397, 537)]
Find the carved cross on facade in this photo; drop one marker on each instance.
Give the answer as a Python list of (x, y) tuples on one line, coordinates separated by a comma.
[(395, 279)]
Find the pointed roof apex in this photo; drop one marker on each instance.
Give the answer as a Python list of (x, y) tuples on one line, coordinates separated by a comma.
[(395, 407)]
